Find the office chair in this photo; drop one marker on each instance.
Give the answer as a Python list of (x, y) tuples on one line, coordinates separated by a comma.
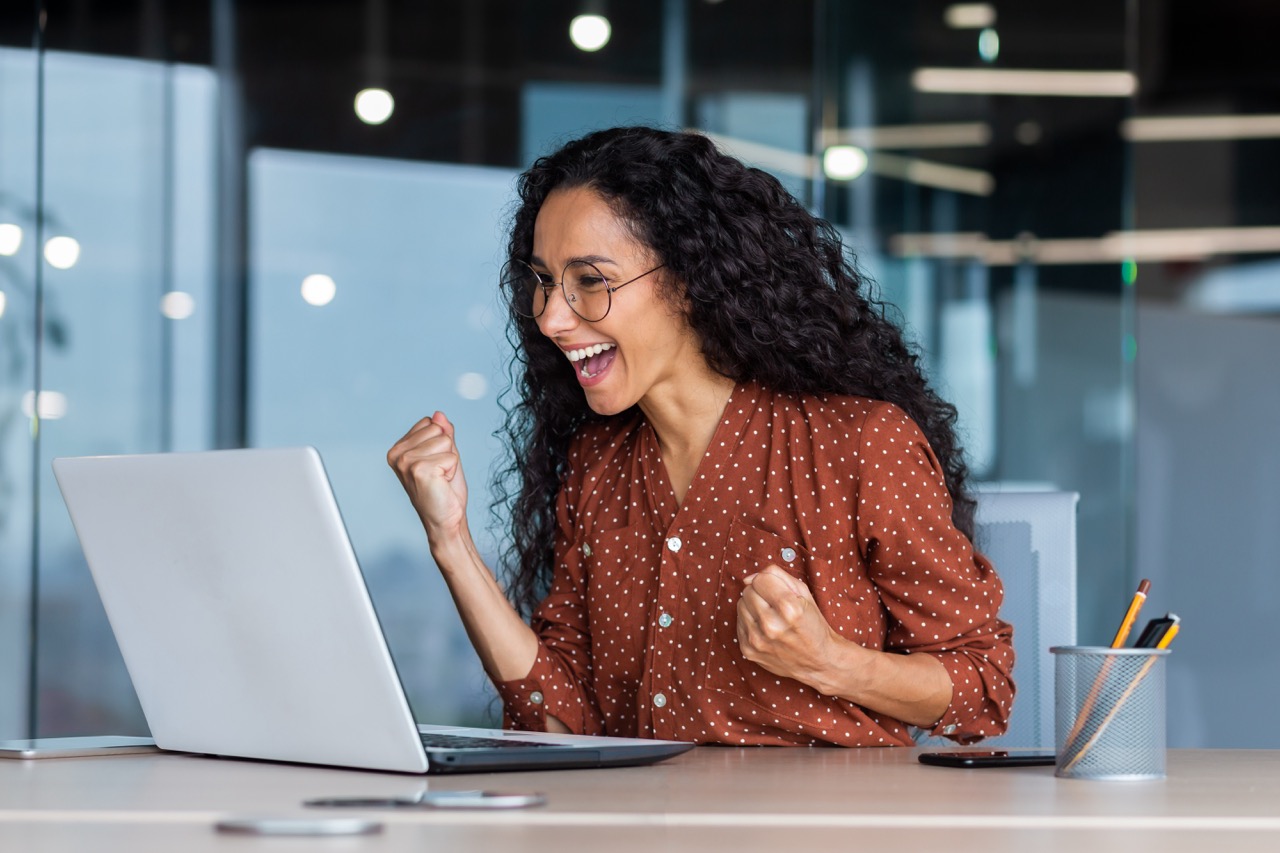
[(1030, 536)]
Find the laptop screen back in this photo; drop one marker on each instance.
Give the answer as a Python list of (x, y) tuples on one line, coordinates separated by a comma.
[(239, 608)]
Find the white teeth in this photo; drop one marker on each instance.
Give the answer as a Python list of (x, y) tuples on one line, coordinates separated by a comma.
[(587, 352)]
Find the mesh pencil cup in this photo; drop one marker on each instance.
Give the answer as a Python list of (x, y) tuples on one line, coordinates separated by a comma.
[(1109, 712)]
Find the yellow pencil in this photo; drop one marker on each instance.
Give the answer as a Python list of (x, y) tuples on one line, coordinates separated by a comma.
[(1126, 625), (1130, 616), (1168, 636), (1133, 685)]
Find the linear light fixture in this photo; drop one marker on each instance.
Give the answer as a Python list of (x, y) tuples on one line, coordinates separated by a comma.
[(969, 134), (1171, 244), (766, 156), (969, 16), (926, 173), (1018, 81), (1189, 128)]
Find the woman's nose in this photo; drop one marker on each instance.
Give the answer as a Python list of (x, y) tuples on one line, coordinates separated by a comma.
[(557, 317)]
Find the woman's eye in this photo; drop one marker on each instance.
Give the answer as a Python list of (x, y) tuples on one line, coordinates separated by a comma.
[(591, 281)]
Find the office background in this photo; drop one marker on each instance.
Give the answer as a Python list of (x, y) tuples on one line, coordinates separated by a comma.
[(204, 243)]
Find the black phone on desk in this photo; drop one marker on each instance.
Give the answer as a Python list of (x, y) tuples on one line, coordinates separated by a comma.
[(988, 758)]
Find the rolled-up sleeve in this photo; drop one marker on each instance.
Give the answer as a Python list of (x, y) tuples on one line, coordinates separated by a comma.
[(942, 596)]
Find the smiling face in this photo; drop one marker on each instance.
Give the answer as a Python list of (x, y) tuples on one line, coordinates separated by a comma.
[(644, 345)]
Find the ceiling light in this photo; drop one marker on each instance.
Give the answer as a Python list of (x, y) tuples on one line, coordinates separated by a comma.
[(374, 106), (953, 135), (928, 173), (318, 289), (1188, 128), (472, 386), (912, 169), (844, 162), (1012, 81), (177, 305), (50, 405), (62, 252), (590, 32), (765, 156), (988, 45), (1171, 244), (969, 16), (10, 238)]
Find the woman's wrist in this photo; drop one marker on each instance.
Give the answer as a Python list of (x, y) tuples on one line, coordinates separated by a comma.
[(845, 675), (908, 687), (455, 551)]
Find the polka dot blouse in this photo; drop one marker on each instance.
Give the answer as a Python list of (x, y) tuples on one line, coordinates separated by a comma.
[(638, 632)]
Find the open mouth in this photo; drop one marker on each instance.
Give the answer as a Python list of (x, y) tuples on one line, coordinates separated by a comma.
[(590, 362)]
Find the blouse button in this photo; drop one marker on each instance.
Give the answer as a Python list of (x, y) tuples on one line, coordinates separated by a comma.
[(674, 543), (659, 700), (536, 697), (665, 620), (586, 549), (789, 554)]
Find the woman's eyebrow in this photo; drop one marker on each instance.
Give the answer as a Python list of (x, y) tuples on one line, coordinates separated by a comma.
[(590, 259)]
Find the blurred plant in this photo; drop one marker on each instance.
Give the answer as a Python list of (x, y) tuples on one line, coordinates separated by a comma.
[(18, 339)]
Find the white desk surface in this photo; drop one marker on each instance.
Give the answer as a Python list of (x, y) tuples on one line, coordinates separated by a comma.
[(738, 799)]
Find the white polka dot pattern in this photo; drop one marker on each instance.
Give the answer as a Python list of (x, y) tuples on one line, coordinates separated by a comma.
[(848, 489)]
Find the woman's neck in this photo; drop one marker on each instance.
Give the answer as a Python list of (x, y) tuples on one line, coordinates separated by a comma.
[(684, 417)]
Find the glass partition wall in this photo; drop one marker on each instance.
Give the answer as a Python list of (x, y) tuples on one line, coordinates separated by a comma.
[(227, 223), (104, 161), (20, 345), (994, 174), (1205, 148)]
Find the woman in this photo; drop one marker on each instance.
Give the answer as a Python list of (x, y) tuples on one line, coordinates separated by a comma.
[(742, 513)]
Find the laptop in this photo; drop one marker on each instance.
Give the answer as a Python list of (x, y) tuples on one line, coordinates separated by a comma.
[(248, 631)]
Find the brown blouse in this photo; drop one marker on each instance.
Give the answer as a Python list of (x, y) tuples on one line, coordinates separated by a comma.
[(638, 633)]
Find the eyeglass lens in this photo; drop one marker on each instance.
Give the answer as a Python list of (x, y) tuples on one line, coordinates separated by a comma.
[(586, 289)]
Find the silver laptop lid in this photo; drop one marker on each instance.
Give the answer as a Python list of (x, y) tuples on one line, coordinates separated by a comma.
[(239, 608)]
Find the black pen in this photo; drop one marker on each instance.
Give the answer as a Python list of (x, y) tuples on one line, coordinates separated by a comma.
[(1155, 631)]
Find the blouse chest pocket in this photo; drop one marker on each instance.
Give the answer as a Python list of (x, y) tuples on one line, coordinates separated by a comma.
[(844, 595), (752, 549), (748, 550)]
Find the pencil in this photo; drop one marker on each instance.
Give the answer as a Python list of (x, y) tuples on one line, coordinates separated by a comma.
[(1131, 615), (1133, 685), (1168, 636), (1126, 625)]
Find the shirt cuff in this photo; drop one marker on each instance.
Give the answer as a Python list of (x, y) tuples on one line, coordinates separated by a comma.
[(545, 690), (523, 704), (969, 718)]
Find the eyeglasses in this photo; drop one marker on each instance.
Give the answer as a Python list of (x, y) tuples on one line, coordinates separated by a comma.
[(586, 289)]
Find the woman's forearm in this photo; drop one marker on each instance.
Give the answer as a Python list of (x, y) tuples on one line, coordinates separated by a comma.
[(913, 688), (506, 645)]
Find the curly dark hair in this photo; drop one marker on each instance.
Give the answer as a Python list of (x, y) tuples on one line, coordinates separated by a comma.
[(765, 285)]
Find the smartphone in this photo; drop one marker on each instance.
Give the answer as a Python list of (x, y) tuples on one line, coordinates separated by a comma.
[(988, 758), (75, 747)]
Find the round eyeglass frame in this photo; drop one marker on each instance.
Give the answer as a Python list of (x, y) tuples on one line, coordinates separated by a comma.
[(523, 266)]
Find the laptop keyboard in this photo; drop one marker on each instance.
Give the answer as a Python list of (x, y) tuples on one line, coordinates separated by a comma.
[(448, 741)]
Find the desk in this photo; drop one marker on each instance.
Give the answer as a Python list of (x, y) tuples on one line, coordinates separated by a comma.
[(779, 800)]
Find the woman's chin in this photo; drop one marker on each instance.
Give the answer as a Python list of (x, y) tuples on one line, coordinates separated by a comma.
[(604, 403), (604, 406)]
